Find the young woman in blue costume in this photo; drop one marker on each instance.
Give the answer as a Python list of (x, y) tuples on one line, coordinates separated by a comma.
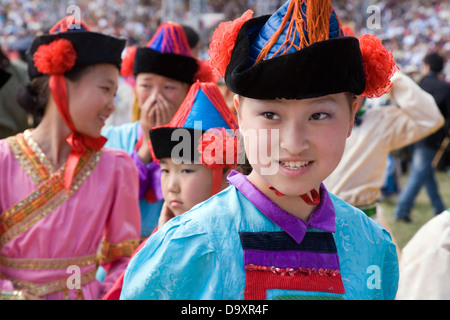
[(278, 233), (163, 72)]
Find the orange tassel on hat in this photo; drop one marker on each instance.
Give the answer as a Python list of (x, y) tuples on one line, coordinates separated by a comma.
[(317, 25)]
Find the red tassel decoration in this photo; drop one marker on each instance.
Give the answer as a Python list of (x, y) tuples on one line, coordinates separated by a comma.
[(305, 197)]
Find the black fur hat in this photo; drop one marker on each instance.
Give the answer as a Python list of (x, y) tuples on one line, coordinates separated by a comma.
[(298, 52), (90, 47), (167, 54)]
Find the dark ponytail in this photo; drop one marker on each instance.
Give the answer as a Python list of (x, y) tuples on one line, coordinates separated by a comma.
[(33, 96)]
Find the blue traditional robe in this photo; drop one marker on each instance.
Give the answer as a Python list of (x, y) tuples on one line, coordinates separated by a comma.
[(241, 245)]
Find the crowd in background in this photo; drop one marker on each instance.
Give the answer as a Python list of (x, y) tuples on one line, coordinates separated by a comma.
[(409, 28)]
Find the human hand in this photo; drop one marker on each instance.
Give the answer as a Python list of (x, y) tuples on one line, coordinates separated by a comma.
[(147, 116), (156, 111), (164, 111), (165, 215)]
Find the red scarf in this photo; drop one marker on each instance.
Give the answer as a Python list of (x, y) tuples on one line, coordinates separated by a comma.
[(77, 141), (305, 197)]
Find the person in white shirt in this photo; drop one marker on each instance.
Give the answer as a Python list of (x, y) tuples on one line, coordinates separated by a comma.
[(425, 262), (360, 175)]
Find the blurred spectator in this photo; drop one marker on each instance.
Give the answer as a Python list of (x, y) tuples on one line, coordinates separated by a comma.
[(13, 118), (425, 261), (403, 116), (424, 151), (409, 28), (193, 39)]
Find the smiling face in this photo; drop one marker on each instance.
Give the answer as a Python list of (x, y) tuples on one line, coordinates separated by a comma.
[(184, 185), (307, 141), (91, 98)]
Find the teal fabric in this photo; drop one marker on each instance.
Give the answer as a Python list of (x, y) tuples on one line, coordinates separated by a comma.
[(198, 255), (124, 137), (203, 106)]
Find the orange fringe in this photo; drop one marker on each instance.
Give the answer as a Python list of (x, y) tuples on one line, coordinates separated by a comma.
[(318, 15), (317, 25)]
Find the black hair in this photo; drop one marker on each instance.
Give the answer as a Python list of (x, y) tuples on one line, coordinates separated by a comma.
[(33, 96), (191, 35), (435, 61)]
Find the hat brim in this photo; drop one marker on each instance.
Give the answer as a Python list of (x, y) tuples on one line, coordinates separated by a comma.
[(174, 66), (180, 143), (326, 67), (91, 48)]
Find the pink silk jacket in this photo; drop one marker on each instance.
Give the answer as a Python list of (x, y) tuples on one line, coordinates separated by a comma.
[(52, 241)]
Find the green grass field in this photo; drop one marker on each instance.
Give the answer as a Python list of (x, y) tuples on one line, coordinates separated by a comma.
[(421, 213)]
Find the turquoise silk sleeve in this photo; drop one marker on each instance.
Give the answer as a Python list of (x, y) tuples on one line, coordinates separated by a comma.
[(122, 137), (367, 255), (176, 263)]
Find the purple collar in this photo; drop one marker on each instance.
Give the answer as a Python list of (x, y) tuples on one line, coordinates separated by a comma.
[(323, 217)]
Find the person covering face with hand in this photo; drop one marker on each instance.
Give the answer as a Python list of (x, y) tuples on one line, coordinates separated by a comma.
[(163, 72)]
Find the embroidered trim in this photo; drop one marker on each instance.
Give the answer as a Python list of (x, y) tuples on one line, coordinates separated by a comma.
[(292, 272), (110, 251), (258, 282), (12, 295), (46, 198), (35, 169), (44, 289), (45, 264), (273, 260), (43, 161)]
